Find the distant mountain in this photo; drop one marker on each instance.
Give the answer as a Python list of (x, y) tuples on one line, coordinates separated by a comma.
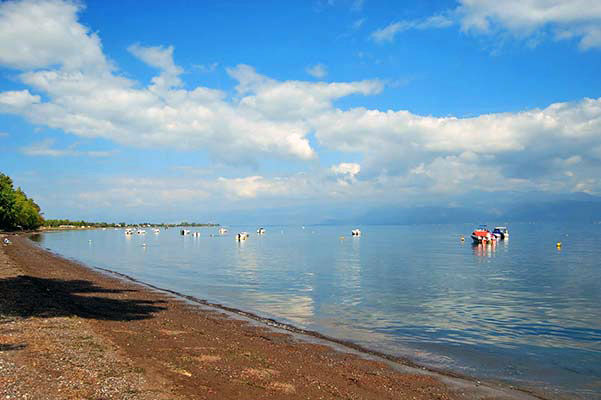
[(506, 206)]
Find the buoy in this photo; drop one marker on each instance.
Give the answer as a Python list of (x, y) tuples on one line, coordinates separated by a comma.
[(558, 245), (341, 237), (462, 239)]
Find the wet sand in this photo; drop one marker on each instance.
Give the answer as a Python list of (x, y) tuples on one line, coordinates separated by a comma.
[(68, 331)]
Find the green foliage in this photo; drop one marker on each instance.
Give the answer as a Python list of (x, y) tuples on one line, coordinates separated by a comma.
[(17, 211)]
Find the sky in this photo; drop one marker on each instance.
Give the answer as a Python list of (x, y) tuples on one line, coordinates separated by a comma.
[(203, 111)]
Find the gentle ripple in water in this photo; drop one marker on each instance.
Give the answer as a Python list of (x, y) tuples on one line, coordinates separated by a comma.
[(522, 311)]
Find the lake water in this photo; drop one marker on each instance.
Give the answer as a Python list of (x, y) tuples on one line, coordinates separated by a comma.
[(523, 311)]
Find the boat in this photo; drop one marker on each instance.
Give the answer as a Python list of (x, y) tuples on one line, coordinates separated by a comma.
[(184, 232), (222, 231), (482, 235), (129, 231), (501, 232), (355, 232), (141, 232), (156, 230), (196, 234), (261, 231), (242, 236)]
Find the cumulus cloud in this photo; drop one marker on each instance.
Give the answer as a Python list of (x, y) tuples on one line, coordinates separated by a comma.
[(565, 19), (162, 59), (317, 71), (77, 90), (83, 95), (44, 33), (17, 100), (508, 147), (531, 19)]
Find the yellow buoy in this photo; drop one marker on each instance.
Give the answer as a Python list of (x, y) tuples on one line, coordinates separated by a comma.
[(462, 238), (558, 245)]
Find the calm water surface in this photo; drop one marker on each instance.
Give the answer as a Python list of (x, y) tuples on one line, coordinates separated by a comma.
[(523, 311)]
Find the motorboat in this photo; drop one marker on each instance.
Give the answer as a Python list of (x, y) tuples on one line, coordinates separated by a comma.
[(129, 231), (141, 232), (482, 235), (156, 230), (501, 232), (222, 231), (184, 232), (261, 231), (196, 234), (242, 236), (356, 232)]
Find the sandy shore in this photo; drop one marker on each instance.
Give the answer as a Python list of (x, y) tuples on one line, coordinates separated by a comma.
[(71, 332)]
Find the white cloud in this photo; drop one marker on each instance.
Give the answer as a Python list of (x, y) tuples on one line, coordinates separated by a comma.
[(346, 172), (563, 18), (508, 147), (17, 100), (83, 95), (528, 19), (388, 33), (317, 71), (43, 33), (253, 186), (44, 148), (351, 169), (400, 152), (161, 58)]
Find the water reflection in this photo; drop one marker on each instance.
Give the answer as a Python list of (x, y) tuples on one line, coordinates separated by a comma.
[(478, 308), (484, 249)]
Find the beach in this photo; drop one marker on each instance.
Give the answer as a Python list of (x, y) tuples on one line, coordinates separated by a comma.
[(69, 331)]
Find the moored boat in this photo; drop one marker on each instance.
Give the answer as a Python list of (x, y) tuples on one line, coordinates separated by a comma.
[(482, 235), (242, 236), (501, 232)]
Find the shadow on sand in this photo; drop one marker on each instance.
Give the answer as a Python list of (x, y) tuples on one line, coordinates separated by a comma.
[(27, 296)]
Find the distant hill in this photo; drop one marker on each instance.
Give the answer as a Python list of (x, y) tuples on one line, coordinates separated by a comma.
[(517, 207)]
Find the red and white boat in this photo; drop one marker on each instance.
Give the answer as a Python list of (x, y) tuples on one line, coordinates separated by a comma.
[(483, 235)]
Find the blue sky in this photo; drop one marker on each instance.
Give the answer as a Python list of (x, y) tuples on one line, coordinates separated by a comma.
[(193, 110)]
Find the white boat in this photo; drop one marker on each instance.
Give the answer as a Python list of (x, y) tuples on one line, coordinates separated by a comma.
[(501, 232), (184, 232), (222, 231), (129, 231), (261, 231), (242, 236), (141, 232), (156, 230), (356, 232), (196, 234)]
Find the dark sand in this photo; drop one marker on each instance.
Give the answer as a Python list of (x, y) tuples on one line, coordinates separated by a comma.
[(71, 332)]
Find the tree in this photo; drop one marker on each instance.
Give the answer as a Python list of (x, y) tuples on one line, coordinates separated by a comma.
[(17, 211)]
